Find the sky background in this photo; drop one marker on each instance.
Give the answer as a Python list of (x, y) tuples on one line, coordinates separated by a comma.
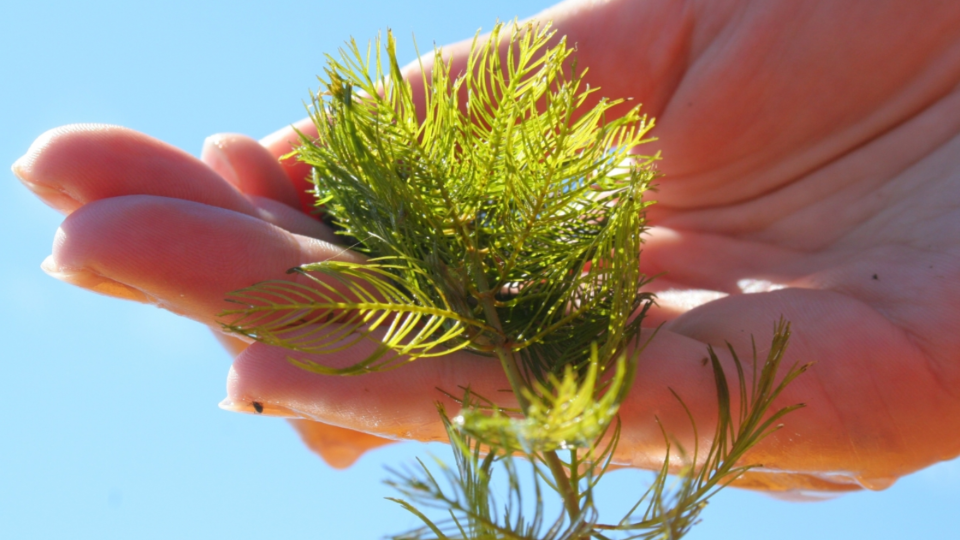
[(109, 425)]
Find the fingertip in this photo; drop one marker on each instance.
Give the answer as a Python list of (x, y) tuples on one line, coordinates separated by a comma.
[(284, 140), (213, 155), (93, 281), (20, 166), (31, 165), (250, 167), (42, 176), (281, 143)]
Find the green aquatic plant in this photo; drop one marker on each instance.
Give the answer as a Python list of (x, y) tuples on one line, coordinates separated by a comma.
[(502, 216)]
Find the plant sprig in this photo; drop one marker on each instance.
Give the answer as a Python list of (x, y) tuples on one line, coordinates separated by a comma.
[(504, 217), (517, 223)]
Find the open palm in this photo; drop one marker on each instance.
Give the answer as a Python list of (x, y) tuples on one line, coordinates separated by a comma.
[(811, 171)]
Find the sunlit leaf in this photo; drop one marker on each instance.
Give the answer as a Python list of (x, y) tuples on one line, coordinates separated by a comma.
[(357, 302)]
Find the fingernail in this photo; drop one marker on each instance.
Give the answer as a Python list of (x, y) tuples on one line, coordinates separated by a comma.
[(261, 408), (18, 166), (213, 155), (53, 197), (93, 281)]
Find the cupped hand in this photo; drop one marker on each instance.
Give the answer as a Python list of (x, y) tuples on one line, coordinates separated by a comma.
[(811, 171)]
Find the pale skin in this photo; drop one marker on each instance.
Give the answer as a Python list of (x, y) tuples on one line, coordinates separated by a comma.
[(811, 171)]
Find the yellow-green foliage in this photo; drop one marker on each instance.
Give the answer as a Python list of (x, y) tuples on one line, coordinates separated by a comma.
[(511, 219)]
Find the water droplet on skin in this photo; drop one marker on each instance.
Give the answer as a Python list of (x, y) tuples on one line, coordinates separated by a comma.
[(875, 484)]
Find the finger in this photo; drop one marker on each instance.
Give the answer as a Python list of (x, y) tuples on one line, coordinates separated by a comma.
[(339, 447), (249, 167), (177, 254), (401, 403), (868, 402), (73, 165), (281, 143)]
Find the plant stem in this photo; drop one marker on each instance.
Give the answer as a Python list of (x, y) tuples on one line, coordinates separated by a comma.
[(570, 501), (518, 384)]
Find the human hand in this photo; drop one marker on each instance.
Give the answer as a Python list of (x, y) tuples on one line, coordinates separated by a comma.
[(812, 163)]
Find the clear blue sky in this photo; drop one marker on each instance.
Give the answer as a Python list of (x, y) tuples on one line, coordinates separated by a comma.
[(109, 425)]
